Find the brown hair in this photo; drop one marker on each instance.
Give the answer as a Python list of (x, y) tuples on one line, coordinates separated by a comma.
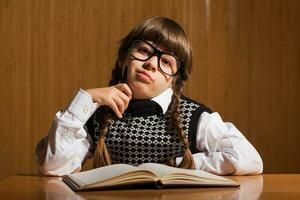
[(168, 34)]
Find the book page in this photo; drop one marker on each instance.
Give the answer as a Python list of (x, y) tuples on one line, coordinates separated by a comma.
[(159, 169), (164, 170), (183, 175), (102, 173)]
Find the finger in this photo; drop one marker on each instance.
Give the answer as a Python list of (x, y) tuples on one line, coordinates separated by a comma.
[(124, 98), (115, 108), (123, 87), (124, 93), (120, 103)]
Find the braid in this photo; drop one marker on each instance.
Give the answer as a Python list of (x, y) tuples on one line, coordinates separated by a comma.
[(101, 155), (174, 112)]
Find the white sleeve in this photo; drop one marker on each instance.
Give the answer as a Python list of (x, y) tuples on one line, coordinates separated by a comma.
[(67, 143), (224, 149)]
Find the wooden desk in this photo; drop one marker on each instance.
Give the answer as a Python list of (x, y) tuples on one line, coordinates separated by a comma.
[(267, 186)]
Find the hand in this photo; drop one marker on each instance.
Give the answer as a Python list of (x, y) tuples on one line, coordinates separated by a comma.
[(117, 97)]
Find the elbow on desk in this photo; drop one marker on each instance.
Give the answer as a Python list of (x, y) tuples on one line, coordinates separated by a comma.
[(252, 167), (49, 164), (48, 169)]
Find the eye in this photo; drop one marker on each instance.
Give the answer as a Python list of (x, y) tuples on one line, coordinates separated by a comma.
[(165, 61), (144, 50)]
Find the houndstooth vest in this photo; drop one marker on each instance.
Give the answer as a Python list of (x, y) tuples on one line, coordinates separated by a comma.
[(145, 134)]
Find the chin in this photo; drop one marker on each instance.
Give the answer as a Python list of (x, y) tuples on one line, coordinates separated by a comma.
[(139, 92), (141, 95)]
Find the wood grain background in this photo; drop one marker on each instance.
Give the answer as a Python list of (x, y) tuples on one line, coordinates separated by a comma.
[(246, 66)]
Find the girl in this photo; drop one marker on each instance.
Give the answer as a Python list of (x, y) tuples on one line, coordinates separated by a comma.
[(143, 117)]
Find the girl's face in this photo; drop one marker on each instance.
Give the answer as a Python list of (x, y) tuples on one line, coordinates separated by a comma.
[(145, 78)]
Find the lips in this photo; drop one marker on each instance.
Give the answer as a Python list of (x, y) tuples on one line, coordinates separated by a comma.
[(144, 75)]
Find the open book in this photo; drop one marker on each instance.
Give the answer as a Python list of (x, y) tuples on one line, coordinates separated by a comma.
[(158, 175)]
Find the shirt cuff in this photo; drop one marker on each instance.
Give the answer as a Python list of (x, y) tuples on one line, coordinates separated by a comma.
[(197, 160), (83, 106)]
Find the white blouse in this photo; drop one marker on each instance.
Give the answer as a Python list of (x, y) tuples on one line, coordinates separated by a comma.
[(224, 149)]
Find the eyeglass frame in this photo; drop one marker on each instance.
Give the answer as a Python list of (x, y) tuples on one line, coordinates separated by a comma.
[(157, 53)]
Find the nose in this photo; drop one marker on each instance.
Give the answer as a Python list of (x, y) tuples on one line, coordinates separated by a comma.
[(151, 64)]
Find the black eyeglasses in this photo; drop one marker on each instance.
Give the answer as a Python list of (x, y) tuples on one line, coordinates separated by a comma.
[(167, 63)]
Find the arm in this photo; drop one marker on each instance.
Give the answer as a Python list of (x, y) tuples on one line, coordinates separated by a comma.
[(67, 143), (224, 149)]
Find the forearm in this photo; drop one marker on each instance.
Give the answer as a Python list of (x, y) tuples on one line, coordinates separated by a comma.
[(67, 144), (223, 148), (228, 162)]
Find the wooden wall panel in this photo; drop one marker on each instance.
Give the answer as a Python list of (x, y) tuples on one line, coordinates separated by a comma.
[(246, 66)]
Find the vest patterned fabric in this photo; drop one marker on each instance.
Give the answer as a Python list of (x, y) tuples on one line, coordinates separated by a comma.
[(145, 134)]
